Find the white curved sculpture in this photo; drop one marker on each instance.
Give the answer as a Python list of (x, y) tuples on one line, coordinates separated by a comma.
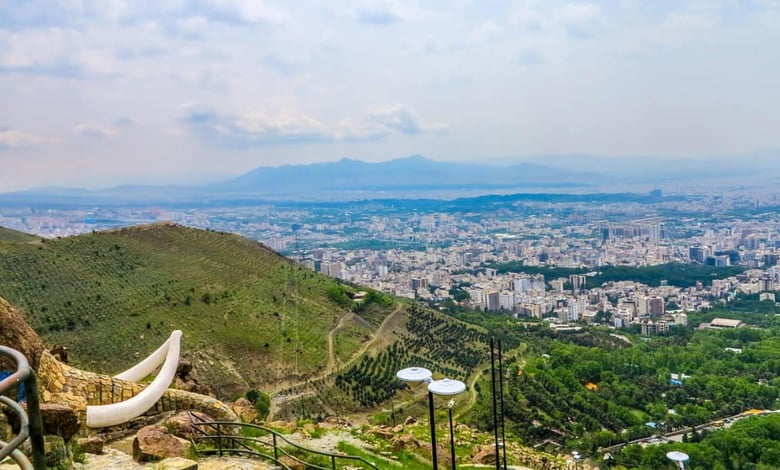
[(100, 416)]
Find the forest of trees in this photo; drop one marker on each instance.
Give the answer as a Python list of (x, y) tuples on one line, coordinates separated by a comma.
[(591, 390), (675, 274)]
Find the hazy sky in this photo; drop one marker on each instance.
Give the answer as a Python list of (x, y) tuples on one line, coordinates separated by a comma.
[(98, 92)]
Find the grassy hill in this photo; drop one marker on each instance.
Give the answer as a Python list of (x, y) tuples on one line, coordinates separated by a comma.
[(250, 317), (8, 235)]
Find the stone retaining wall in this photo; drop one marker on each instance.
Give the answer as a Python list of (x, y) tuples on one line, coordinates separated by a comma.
[(60, 383)]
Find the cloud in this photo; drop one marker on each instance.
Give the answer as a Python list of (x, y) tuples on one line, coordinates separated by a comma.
[(14, 139), (529, 57), (92, 132), (124, 122), (52, 51), (384, 12), (396, 118), (259, 127), (674, 30), (19, 14), (581, 20), (281, 64), (482, 34), (242, 11)]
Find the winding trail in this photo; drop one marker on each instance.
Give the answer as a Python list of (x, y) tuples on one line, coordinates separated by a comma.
[(379, 339), (331, 353)]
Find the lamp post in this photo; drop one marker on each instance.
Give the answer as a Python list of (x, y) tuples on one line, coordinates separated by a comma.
[(419, 375), (447, 387), (577, 457), (679, 458)]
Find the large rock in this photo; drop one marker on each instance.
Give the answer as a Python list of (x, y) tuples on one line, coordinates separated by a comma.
[(17, 334), (60, 420), (405, 442), (178, 463), (484, 455), (180, 424), (155, 443), (291, 463), (245, 410), (90, 445)]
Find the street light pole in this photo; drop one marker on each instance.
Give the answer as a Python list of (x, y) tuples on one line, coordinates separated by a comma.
[(679, 458), (495, 406), (420, 375), (434, 455), (452, 433), (448, 387), (444, 387)]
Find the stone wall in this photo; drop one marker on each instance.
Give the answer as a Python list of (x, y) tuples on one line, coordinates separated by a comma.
[(60, 383)]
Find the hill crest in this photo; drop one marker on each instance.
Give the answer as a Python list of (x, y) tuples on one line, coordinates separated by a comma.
[(251, 317)]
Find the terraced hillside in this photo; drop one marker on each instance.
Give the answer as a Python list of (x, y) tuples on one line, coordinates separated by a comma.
[(250, 317)]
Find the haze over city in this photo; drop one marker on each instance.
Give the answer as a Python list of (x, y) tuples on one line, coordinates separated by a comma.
[(98, 93)]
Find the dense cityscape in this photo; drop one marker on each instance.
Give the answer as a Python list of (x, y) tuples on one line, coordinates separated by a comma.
[(493, 257)]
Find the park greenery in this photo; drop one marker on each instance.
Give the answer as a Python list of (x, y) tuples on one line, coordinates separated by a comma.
[(673, 274), (750, 444)]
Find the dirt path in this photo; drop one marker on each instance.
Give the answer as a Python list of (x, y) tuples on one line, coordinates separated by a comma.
[(382, 335), (478, 373), (331, 353), (379, 340)]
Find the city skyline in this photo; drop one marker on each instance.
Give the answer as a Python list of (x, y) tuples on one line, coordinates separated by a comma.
[(105, 93)]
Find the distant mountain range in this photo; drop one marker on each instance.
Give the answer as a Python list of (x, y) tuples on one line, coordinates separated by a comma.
[(416, 173), (345, 179), (420, 177)]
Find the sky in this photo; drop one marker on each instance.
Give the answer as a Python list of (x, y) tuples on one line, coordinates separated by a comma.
[(95, 93)]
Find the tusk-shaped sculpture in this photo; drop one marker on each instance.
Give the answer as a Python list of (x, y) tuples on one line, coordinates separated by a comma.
[(139, 371), (100, 416)]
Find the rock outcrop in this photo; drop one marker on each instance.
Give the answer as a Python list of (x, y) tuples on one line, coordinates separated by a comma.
[(155, 443), (16, 333)]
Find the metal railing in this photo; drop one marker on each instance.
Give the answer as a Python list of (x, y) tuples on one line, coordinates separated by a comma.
[(30, 427), (217, 433)]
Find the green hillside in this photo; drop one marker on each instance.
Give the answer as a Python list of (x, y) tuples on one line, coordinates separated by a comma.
[(250, 317), (8, 235)]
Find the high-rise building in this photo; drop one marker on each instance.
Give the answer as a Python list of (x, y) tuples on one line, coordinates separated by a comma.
[(577, 282), (655, 306), (492, 301)]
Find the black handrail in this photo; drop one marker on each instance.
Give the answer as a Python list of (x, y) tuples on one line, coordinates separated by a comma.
[(241, 441), (31, 427)]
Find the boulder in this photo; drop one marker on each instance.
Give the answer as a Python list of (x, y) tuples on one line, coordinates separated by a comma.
[(410, 420), (245, 410), (183, 369), (16, 333), (283, 426), (381, 432), (405, 442), (60, 420), (484, 455), (291, 463), (180, 424), (90, 445), (57, 419), (178, 463), (155, 443)]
